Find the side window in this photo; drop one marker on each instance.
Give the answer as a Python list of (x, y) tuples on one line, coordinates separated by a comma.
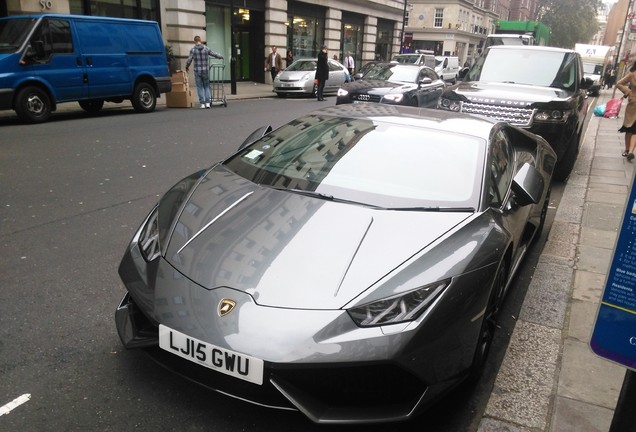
[(61, 36), (53, 36), (501, 167)]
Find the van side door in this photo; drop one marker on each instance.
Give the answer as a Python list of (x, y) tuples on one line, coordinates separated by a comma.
[(55, 59), (103, 46)]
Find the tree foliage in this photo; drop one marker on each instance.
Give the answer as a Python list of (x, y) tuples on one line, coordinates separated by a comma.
[(571, 21)]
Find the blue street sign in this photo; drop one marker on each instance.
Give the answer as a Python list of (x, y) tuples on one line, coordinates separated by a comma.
[(614, 334)]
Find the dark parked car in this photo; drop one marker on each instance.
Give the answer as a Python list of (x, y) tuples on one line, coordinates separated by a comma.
[(364, 69), (397, 84), (541, 89), (349, 264)]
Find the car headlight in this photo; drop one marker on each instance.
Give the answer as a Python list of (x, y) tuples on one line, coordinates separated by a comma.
[(342, 92), (149, 237), (551, 115), (397, 98), (450, 105), (392, 310)]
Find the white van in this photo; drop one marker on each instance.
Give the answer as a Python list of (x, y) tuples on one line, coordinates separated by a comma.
[(447, 68), (419, 57)]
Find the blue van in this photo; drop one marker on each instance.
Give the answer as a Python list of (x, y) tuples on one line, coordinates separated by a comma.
[(50, 59)]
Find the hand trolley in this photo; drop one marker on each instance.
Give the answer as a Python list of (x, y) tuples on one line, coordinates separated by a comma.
[(216, 84)]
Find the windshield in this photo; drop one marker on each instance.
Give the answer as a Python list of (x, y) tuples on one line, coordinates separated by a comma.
[(592, 68), (13, 32), (302, 65), (376, 162), (544, 68), (406, 58), (393, 73)]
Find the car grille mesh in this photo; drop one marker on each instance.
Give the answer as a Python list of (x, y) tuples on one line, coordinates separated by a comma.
[(513, 115)]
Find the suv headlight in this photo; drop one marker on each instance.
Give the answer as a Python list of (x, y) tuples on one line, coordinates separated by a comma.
[(149, 237), (392, 310), (450, 105), (552, 115), (342, 92)]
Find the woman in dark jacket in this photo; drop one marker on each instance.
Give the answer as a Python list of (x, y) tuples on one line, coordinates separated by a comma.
[(322, 72)]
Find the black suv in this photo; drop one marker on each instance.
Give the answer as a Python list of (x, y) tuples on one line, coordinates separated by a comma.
[(541, 89)]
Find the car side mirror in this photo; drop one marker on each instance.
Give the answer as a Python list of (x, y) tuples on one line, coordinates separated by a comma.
[(527, 185), (462, 73), (425, 81), (257, 134), (35, 49)]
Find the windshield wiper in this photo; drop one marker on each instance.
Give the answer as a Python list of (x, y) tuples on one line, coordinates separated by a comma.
[(435, 209), (324, 196)]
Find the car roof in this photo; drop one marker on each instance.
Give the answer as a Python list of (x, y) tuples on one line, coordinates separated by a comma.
[(403, 65), (428, 118), (530, 48)]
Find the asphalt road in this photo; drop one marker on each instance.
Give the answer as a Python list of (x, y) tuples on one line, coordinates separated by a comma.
[(72, 192)]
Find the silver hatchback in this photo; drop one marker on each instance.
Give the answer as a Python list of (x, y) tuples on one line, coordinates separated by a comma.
[(300, 76)]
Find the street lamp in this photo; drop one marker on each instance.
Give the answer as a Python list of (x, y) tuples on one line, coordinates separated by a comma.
[(402, 32)]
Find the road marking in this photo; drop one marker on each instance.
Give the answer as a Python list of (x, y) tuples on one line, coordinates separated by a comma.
[(14, 404)]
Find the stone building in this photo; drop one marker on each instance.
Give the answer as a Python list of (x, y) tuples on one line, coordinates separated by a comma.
[(245, 30)]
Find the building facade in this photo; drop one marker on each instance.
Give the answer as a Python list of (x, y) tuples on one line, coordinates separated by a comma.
[(459, 27), (245, 30)]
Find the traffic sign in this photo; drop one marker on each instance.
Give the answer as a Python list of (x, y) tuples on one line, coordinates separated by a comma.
[(614, 333)]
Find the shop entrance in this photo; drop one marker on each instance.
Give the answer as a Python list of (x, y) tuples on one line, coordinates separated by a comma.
[(248, 38), (243, 54)]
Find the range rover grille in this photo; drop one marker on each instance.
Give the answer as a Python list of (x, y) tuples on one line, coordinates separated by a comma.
[(513, 115)]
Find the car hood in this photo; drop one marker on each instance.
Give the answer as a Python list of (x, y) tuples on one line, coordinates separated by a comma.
[(378, 87), (294, 75), (290, 250), (505, 93)]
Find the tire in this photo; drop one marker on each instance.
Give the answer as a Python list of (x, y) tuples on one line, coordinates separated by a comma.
[(489, 323), (564, 167), (33, 105), (91, 106), (544, 213), (144, 98)]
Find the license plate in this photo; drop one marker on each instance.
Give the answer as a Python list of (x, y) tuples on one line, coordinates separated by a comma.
[(288, 84), (222, 360)]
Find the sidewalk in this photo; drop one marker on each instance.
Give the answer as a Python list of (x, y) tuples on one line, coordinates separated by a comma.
[(550, 381)]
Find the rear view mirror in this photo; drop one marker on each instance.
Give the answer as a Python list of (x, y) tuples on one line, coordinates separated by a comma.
[(257, 134)]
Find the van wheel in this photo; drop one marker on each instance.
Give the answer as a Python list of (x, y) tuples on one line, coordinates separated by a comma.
[(91, 106), (144, 98), (33, 105)]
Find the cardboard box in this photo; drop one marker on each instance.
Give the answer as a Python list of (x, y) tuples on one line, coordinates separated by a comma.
[(180, 87), (179, 99), (179, 77)]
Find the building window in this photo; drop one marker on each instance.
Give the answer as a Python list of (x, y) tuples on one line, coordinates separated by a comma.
[(305, 29), (439, 18), (140, 9)]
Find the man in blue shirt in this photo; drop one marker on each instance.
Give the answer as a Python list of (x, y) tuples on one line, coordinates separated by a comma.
[(200, 53)]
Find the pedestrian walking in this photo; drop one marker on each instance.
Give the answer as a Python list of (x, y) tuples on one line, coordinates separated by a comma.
[(274, 63), (606, 77), (322, 72), (625, 85), (200, 54), (349, 63), (289, 59)]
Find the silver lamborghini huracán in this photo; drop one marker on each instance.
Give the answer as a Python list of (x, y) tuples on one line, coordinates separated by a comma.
[(349, 264)]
